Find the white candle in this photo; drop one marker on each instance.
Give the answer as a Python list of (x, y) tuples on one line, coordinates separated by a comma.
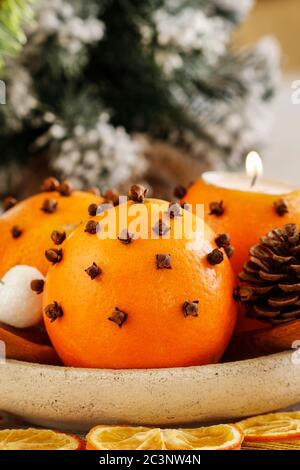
[(251, 181)]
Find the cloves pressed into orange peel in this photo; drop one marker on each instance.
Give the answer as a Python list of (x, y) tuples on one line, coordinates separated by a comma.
[(49, 206), (9, 202), (59, 213), (145, 310), (58, 237)]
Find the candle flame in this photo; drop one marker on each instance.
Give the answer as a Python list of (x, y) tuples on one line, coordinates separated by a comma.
[(254, 166)]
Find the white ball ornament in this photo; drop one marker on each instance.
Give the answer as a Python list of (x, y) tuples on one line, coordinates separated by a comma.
[(20, 306)]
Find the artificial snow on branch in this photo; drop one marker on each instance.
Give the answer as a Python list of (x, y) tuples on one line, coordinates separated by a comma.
[(94, 74), (90, 156)]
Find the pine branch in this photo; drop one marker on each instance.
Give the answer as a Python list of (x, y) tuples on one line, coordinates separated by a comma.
[(111, 68), (13, 14)]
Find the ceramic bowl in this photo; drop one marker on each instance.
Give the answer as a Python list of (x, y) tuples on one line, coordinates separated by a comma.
[(69, 398)]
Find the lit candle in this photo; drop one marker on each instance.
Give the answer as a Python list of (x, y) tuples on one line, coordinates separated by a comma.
[(250, 181), (254, 166), (245, 206)]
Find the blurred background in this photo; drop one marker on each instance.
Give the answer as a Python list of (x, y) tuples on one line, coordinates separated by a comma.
[(280, 18), (106, 93)]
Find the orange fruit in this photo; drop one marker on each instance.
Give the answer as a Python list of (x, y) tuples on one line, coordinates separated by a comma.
[(271, 427), (38, 439), (221, 437), (141, 302), (25, 229), (247, 217)]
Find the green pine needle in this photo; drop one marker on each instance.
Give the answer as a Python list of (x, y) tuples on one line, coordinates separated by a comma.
[(13, 14)]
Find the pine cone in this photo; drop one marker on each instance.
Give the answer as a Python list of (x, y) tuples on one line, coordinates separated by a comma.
[(270, 287)]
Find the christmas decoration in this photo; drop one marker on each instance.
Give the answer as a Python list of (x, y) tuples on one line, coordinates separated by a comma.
[(31, 227), (52, 112), (226, 195), (21, 307), (93, 74), (271, 283), (98, 298)]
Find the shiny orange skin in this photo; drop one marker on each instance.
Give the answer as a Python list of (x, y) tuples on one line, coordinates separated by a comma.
[(247, 217), (37, 226), (156, 333)]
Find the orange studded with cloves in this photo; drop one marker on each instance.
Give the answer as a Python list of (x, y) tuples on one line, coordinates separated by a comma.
[(30, 227), (141, 297), (244, 217)]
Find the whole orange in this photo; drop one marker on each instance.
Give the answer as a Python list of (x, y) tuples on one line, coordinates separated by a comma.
[(137, 302), (25, 229), (246, 217)]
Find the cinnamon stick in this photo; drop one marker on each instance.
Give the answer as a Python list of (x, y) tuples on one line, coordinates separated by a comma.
[(21, 349), (251, 344)]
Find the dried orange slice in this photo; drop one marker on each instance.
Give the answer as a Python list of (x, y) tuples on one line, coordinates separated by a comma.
[(38, 439), (124, 438), (273, 445), (272, 427), (221, 437)]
